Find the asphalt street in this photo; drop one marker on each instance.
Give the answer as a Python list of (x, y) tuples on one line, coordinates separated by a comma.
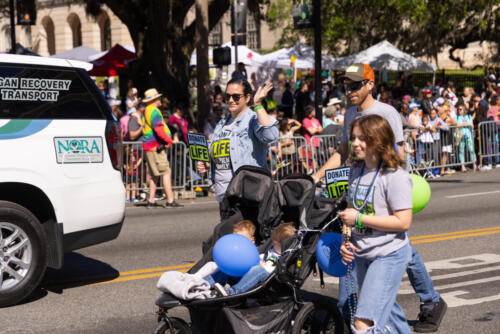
[(111, 288)]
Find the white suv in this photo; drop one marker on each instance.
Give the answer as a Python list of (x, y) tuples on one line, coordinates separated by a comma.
[(60, 184)]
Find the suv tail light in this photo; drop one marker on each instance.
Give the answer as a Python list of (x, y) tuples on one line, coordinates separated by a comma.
[(114, 141)]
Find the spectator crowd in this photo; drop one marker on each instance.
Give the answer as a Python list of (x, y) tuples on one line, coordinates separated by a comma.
[(441, 123)]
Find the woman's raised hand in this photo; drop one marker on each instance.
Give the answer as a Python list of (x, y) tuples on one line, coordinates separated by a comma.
[(262, 93)]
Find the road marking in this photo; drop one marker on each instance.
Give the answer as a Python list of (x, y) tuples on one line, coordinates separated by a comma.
[(422, 241), (158, 271), (453, 301), (148, 270), (136, 277), (474, 194), (464, 262), (456, 232), (455, 285)]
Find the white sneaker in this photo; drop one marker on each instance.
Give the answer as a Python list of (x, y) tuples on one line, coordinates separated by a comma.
[(497, 166), (220, 290)]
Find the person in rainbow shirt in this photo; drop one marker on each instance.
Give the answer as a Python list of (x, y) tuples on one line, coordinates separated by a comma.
[(156, 136)]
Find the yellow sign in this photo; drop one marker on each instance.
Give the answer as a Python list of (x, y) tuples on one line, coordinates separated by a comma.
[(220, 149), (198, 148), (292, 59), (337, 181), (335, 190), (199, 152)]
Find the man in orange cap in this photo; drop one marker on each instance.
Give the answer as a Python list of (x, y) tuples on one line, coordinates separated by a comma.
[(359, 81)]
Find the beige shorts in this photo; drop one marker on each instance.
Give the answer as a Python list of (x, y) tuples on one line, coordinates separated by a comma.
[(158, 163)]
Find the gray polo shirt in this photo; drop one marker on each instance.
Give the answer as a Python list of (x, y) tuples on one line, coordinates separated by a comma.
[(378, 108)]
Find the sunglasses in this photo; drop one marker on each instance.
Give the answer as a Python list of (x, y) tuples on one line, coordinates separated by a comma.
[(235, 97), (354, 86)]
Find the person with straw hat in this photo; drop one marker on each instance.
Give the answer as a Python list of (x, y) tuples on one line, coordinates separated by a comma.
[(156, 136)]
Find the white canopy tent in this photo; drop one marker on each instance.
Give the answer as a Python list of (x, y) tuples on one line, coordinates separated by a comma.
[(81, 52), (304, 58), (386, 56)]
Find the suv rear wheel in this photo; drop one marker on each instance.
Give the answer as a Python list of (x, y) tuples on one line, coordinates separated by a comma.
[(23, 253)]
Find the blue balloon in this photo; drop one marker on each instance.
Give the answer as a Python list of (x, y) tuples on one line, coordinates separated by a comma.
[(235, 254), (328, 255)]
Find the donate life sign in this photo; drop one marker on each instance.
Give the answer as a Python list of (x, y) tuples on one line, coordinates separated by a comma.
[(337, 181), (198, 148)]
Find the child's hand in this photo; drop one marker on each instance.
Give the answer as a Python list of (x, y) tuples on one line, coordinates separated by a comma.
[(346, 252), (348, 216)]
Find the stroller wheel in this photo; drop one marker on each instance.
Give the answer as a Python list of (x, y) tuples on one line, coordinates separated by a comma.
[(319, 317), (176, 326)]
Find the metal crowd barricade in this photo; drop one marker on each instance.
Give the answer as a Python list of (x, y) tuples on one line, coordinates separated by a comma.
[(134, 169), (448, 151), (489, 143), (323, 147), (296, 157)]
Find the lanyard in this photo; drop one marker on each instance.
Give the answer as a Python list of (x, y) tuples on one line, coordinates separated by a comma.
[(369, 188)]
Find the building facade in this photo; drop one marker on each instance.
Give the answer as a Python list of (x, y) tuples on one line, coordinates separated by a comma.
[(63, 24)]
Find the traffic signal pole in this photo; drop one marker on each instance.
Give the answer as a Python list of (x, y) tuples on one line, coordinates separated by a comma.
[(12, 28), (318, 102), (235, 20)]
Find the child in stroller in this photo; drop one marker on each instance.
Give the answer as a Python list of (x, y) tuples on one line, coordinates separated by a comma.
[(275, 304), (260, 272)]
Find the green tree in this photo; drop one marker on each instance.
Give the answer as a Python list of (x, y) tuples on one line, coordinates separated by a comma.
[(420, 27), (162, 39)]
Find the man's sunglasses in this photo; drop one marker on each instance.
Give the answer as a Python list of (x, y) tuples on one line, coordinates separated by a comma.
[(355, 85), (235, 97)]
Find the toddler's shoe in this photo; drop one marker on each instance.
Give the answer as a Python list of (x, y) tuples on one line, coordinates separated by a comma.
[(220, 290)]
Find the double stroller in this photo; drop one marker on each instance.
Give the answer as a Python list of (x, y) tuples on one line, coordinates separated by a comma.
[(276, 305)]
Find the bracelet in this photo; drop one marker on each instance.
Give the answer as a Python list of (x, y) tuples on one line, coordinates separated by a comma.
[(357, 217), (360, 216), (258, 107)]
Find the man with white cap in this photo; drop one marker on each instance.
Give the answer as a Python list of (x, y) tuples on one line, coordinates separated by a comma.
[(156, 136)]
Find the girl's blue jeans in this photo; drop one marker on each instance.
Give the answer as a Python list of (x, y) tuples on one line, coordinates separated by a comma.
[(417, 274), (379, 284)]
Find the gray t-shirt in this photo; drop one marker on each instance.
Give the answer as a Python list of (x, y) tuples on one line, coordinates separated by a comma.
[(378, 108), (390, 192), (221, 159), (134, 125)]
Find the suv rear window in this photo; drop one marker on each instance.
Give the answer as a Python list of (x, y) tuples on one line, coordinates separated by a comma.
[(34, 92)]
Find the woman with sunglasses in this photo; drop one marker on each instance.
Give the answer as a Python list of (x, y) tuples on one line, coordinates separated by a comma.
[(242, 138)]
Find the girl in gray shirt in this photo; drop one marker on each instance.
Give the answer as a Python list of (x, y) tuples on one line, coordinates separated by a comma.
[(379, 213)]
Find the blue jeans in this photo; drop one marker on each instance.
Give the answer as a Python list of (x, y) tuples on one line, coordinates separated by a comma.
[(254, 276), (419, 279), (377, 299), (216, 277)]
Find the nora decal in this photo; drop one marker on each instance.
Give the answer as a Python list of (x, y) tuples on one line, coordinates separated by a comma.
[(19, 128)]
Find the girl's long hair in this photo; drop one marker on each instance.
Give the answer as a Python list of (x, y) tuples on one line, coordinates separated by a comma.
[(379, 138)]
